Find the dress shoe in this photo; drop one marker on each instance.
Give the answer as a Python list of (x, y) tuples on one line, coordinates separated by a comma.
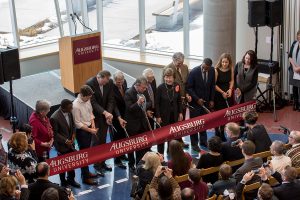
[(100, 173), (92, 175), (89, 181), (196, 148), (124, 157), (185, 145), (74, 183), (204, 144), (120, 165), (132, 169), (64, 184), (106, 167)]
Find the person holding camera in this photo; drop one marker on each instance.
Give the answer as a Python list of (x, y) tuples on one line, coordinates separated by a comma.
[(256, 133), (9, 185), (19, 158), (164, 186)]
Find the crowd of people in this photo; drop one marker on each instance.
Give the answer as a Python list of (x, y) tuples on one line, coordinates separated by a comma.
[(106, 105)]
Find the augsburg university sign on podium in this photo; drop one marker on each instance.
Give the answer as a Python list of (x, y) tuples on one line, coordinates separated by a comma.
[(177, 130)]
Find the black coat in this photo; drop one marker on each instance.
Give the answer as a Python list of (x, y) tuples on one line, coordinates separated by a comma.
[(167, 102), (62, 131), (230, 153), (134, 115), (36, 189), (120, 106), (100, 102), (259, 136), (24, 195)]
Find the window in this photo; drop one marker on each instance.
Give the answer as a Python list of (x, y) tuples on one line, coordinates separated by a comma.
[(121, 23), (6, 37), (37, 21), (163, 21), (196, 27)]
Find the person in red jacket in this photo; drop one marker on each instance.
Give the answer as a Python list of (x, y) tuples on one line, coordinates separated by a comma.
[(42, 132)]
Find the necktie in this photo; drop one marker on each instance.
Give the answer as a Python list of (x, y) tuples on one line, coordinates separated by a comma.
[(150, 92), (179, 72), (121, 91), (101, 89), (204, 77)]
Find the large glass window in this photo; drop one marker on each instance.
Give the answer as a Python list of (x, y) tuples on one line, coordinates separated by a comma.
[(6, 37), (196, 27), (37, 21), (163, 20), (121, 23)]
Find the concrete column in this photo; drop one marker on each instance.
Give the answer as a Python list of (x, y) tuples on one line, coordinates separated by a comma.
[(219, 17)]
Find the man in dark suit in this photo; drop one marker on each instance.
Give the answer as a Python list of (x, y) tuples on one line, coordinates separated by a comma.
[(120, 87), (64, 135), (36, 189), (103, 105), (201, 86), (289, 188), (138, 107), (231, 152)]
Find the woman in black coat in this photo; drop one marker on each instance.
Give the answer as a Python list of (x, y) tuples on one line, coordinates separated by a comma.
[(168, 104)]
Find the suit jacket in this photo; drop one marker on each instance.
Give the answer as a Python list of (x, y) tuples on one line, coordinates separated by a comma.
[(259, 136), (62, 131), (287, 191), (250, 164), (219, 186), (119, 109), (153, 87), (230, 153), (134, 115), (36, 189), (181, 79), (164, 106), (200, 90), (100, 102)]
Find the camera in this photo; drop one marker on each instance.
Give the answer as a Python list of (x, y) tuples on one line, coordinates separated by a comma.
[(163, 168), (12, 171), (256, 171), (236, 143), (266, 164), (68, 191)]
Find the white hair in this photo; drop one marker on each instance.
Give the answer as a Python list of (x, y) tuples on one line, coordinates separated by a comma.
[(148, 72), (118, 75), (42, 106)]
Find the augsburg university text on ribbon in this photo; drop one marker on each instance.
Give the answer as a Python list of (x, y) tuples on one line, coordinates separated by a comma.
[(113, 149)]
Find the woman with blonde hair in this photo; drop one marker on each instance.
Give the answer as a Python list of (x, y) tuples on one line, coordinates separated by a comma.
[(224, 77), (19, 158), (146, 169)]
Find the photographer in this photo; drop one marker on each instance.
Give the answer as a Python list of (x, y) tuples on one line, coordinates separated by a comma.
[(19, 157), (31, 145), (257, 132), (8, 187), (164, 187)]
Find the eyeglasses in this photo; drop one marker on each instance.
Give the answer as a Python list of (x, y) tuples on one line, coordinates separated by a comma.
[(291, 137)]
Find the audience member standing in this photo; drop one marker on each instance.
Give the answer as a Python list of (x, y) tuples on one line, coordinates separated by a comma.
[(294, 152), (42, 132), (246, 77), (64, 137), (103, 105), (138, 107), (119, 89), (224, 87), (201, 86), (85, 127), (168, 103), (257, 133), (294, 58)]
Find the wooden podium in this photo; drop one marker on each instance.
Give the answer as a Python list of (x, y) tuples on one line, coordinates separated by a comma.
[(80, 59)]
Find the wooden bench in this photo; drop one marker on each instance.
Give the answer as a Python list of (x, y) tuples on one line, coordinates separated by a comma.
[(247, 188)]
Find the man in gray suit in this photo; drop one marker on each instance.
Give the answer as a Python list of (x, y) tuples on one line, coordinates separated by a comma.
[(64, 136)]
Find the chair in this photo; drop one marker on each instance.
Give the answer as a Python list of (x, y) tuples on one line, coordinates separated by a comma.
[(214, 197), (264, 154), (182, 178), (273, 181), (247, 188), (236, 162), (210, 170), (146, 195)]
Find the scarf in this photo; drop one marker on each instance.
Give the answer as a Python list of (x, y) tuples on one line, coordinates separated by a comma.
[(45, 121)]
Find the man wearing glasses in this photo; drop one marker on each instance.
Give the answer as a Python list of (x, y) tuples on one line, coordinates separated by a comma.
[(294, 152)]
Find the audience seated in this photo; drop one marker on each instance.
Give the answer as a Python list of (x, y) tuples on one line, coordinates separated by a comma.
[(187, 194), (164, 186), (180, 162), (294, 152), (50, 194), (251, 163), (211, 159), (146, 169), (8, 187), (36, 189), (265, 192), (289, 188), (279, 160), (199, 187), (19, 157), (225, 181), (257, 133), (228, 151)]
